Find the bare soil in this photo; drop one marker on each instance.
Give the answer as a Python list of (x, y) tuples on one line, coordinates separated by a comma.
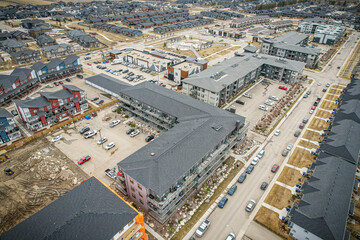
[(301, 158), (313, 136), (328, 105), (278, 197), (290, 176), (318, 124)]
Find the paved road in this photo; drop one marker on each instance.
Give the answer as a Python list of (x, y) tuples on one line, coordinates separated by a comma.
[(233, 216)]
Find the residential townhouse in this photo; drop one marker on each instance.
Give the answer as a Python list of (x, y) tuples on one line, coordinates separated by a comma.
[(215, 15), (45, 40), (36, 27), (183, 25), (117, 29), (101, 213), (223, 31), (281, 24), (328, 34), (243, 22), (57, 50), (57, 68), (179, 71), (162, 175), (51, 107), (20, 81), (309, 25), (12, 45), (8, 129), (16, 35), (291, 45), (326, 198), (25, 56), (223, 80), (83, 39)]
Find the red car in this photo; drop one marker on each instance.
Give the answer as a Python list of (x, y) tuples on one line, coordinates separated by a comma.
[(84, 159), (274, 168), (61, 82), (283, 87), (89, 64), (313, 107)]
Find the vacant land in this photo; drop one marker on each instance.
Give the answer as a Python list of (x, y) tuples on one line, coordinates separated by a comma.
[(331, 97), (270, 220), (307, 144), (318, 124), (313, 136), (322, 114), (328, 105), (301, 158), (278, 197), (335, 91), (290, 176), (42, 174)]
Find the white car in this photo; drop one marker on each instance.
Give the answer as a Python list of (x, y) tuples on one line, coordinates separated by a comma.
[(255, 161), (110, 145), (311, 111), (277, 132), (319, 83), (90, 134), (289, 146), (274, 98), (247, 95), (114, 123), (269, 102), (134, 133), (102, 140), (202, 229), (262, 107), (57, 138)]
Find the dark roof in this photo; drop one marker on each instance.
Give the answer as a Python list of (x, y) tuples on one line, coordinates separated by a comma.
[(24, 52), (89, 211), (33, 103), (5, 114), (22, 73), (61, 94), (73, 88), (38, 66), (70, 59), (54, 63), (107, 82)]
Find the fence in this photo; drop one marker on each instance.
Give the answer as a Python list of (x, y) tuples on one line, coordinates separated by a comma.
[(59, 125)]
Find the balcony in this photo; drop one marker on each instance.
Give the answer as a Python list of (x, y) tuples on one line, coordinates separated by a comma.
[(132, 233)]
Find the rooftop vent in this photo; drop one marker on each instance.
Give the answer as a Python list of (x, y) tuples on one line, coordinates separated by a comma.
[(217, 127), (218, 75)]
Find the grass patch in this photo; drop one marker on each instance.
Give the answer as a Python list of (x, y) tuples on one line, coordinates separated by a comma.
[(271, 221), (313, 136), (289, 176), (328, 105), (322, 114), (335, 91), (307, 144), (205, 206), (318, 124), (331, 97), (301, 158), (278, 197)]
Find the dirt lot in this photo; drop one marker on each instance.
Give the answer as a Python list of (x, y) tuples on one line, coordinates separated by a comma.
[(270, 220), (322, 113), (331, 97), (301, 158), (313, 136), (278, 197), (335, 91), (307, 144), (39, 179), (328, 105), (289, 176), (318, 124)]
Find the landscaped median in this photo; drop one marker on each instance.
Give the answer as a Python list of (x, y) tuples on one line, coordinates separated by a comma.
[(290, 176), (301, 158)]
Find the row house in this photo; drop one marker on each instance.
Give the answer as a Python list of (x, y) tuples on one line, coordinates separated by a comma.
[(117, 29), (17, 35), (45, 40), (20, 81), (36, 27), (25, 56), (226, 32), (183, 25), (57, 68), (281, 24), (12, 45), (227, 13), (8, 129), (51, 107), (57, 50), (83, 39), (243, 22), (215, 15), (147, 17)]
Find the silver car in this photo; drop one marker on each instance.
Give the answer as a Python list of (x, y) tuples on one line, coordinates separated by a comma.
[(250, 206)]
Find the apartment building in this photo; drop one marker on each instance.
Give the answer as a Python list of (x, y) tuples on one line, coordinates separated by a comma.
[(223, 31), (162, 175), (326, 198), (25, 56), (57, 50), (281, 24), (328, 34), (291, 46), (8, 129), (243, 22), (223, 80), (51, 107), (57, 68), (182, 70), (92, 211), (309, 25)]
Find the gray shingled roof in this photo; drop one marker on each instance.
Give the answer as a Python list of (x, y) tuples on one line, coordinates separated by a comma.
[(292, 38), (5, 114), (24, 52), (108, 82), (55, 47), (70, 59), (89, 211), (54, 63), (38, 66), (61, 94), (73, 88), (12, 43), (33, 103)]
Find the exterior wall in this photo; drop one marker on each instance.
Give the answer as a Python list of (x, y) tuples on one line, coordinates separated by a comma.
[(10, 132), (300, 233), (136, 192)]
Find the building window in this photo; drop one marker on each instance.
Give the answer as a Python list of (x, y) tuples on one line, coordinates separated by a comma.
[(133, 195), (139, 186), (133, 189), (141, 202), (131, 180), (140, 194)]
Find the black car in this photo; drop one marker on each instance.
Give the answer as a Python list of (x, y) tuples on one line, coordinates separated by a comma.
[(130, 131), (14, 112), (149, 138), (84, 130), (56, 83), (242, 178), (264, 185), (240, 102), (80, 76), (68, 80)]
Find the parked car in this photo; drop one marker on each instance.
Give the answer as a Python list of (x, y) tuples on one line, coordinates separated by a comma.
[(274, 168), (289, 146), (264, 185), (277, 132), (134, 133), (130, 131), (255, 161), (57, 138), (306, 96), (319, 84), (68, 80), (274, 98), (114, 123), (94, 99), (285, 153), (311, 111), (223, 202), (149, 138), (305, 120), (262, 107), (250, 169), (261, 154), (313, 107), (100, 102), (240, 102), (56, 83), (242, 178), (308, 92), (102, 140), (247, 95), (269, 102), (232, 190), (90, 134), (297, 133), (110, 174), (301, 126), (110, 145), (84, 159), (324, 89), (202, 228), (84, 130), (231, 236), (250, 206), (283, 87)]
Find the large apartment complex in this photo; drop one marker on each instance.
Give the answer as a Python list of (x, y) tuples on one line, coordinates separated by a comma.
[(184, 69), (243, 22), (163, 174), (328, 34), (51, 107), (220, 82), (291, 46), (8, 129)]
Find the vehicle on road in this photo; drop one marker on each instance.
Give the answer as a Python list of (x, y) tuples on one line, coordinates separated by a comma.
[(223, 202), (231, 236), (102, 140), (301, 126), (110, 146), (84, 130), (289, 146), (242, 178), (255, 161), (327, 84), (285, 153), (149, 138), (232, 190), (306, 96), (324, 89), (57, 138), (134, 133), (250, 206), (84, 159), (114, 123), (264, 185), (248, 95), (283, 87), (130, 131), (202, 229), (311, 111), (274, 168), (250, 169), (297, 133), (277, 132), (319, 84), (313, 107), (308, 92), (90, 134)]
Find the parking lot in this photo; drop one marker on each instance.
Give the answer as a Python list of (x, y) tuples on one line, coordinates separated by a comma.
[(75, 146), (262, 91)]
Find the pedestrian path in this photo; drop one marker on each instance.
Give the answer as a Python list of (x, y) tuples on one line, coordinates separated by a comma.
[(292, 189)]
